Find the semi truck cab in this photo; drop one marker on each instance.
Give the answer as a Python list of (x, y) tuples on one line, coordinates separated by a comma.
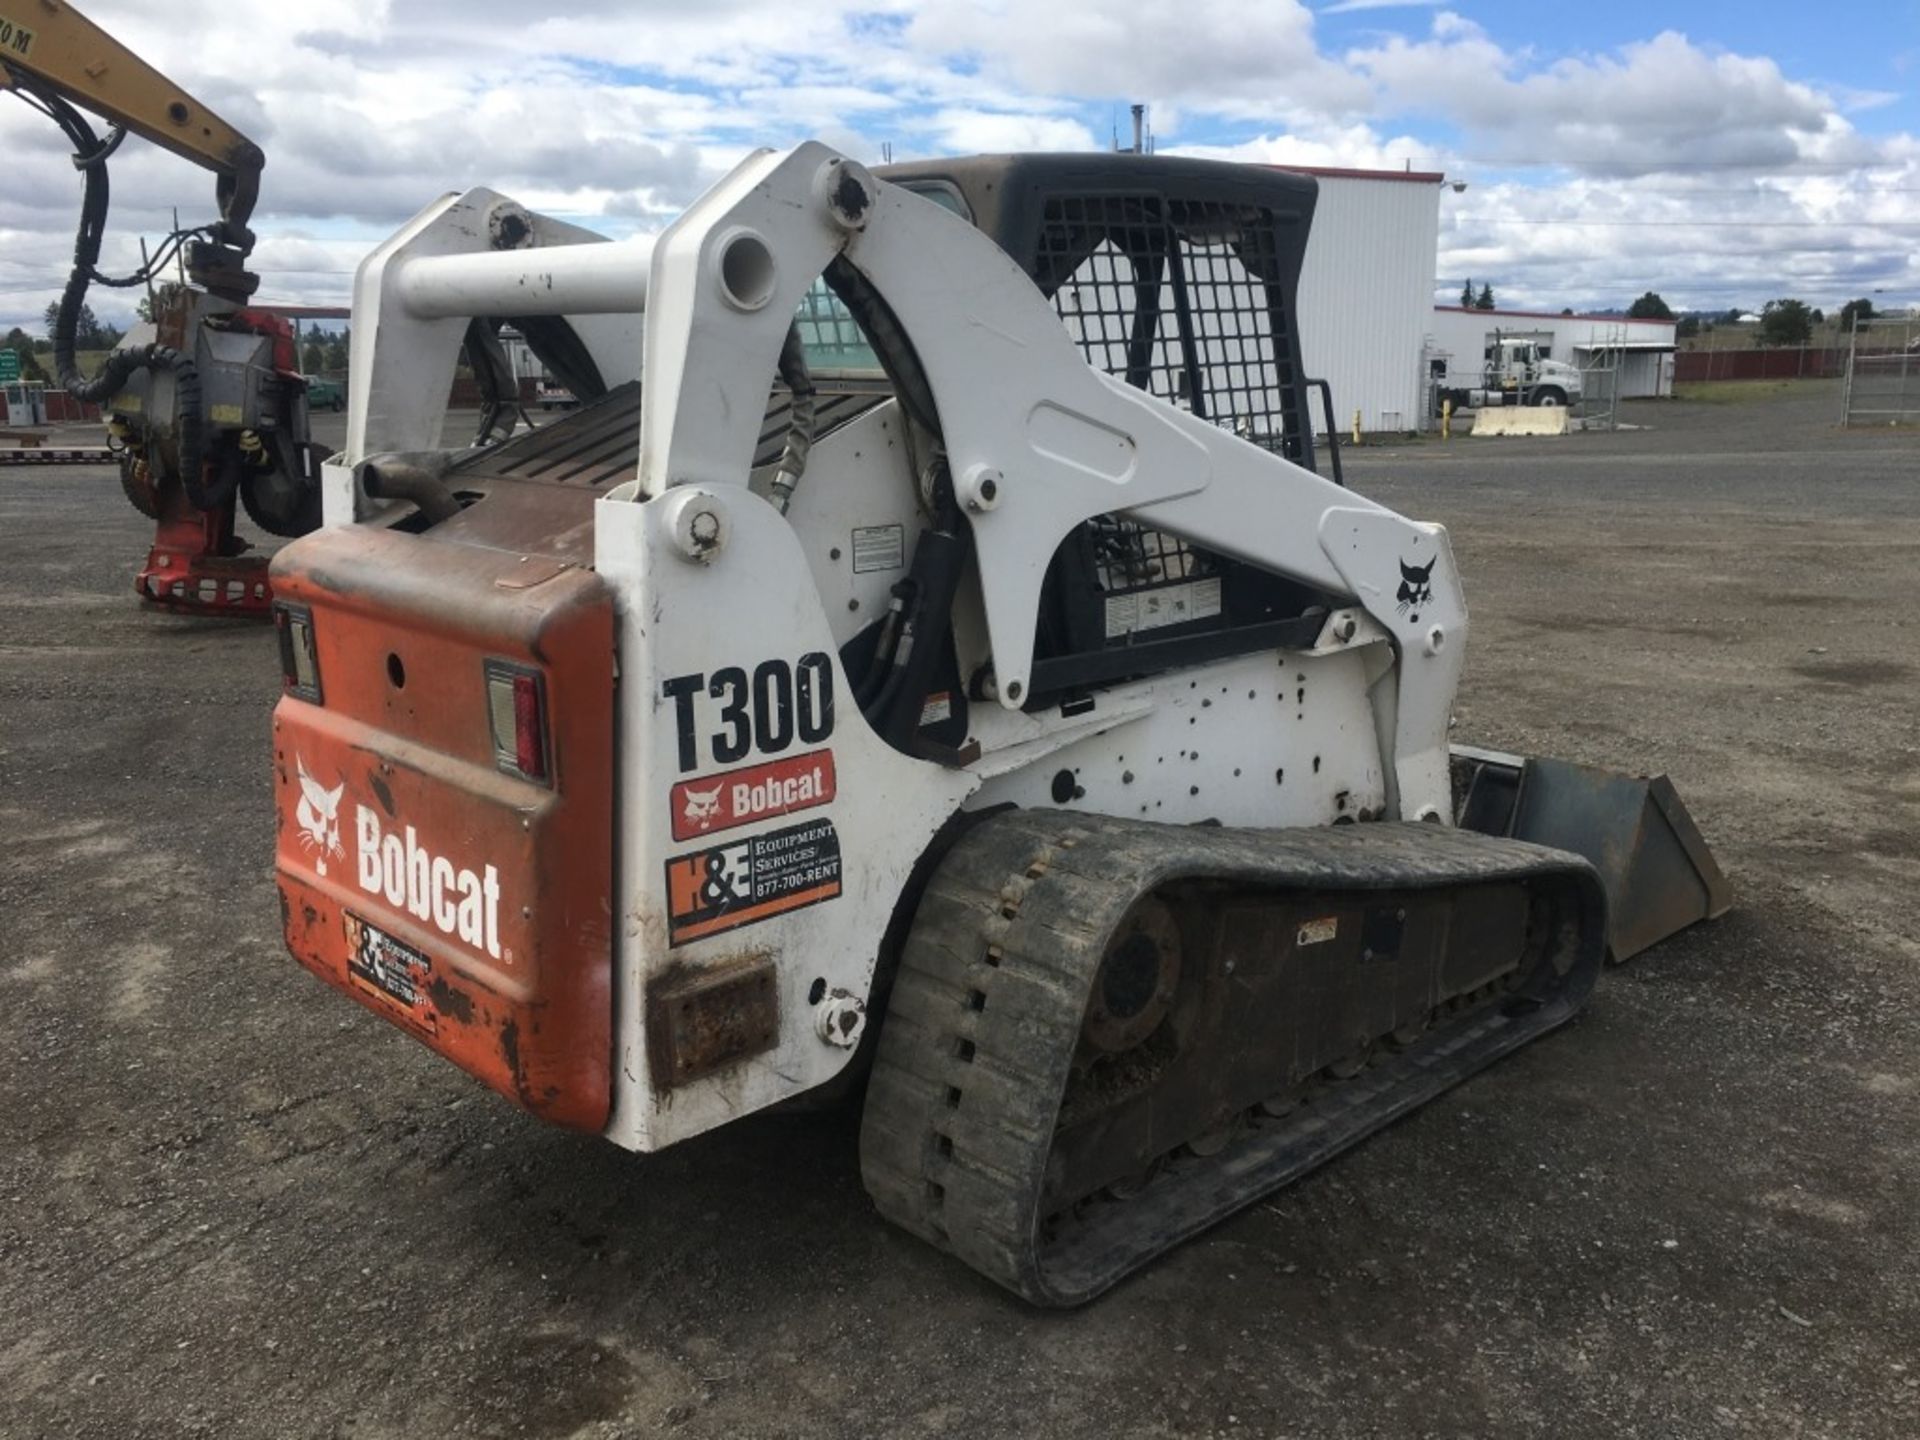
[(1515, 364)]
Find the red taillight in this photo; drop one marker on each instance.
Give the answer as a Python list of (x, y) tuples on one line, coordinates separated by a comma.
[(529, 727), (517, 710), (299, 665)]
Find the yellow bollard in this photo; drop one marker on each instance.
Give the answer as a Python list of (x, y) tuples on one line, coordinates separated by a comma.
[(1446, 419), (1356, 427)]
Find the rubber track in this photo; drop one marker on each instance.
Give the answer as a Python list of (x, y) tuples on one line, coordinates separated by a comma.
[(985, 1015)]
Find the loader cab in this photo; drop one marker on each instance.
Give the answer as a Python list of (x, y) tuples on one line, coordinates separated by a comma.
[(1180, 277)]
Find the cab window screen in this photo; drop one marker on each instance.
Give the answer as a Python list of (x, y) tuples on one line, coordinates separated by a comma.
[(835, 345)]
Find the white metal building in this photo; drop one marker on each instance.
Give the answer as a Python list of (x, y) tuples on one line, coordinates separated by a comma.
[(1644, 347), (1366, 292)]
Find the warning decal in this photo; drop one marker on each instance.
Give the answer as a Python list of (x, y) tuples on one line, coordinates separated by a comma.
[(726, 886), (879, 547), (394, 972), (1163, 605)]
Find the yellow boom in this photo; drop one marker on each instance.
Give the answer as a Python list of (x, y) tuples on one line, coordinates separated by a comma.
[(58, 49)]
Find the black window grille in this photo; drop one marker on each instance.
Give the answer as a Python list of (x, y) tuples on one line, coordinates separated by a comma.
[(1127, 555), (1181, 298), (1174, 297)]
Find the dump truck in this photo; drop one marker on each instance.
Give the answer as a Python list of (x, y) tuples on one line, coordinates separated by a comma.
[(930, 664)]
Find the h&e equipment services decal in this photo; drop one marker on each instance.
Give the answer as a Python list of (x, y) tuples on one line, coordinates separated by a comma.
[(394, 972), (726, 886)]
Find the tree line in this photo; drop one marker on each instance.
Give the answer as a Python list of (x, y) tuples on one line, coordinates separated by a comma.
[(320, 351), (1783, 322), (1471, 301)]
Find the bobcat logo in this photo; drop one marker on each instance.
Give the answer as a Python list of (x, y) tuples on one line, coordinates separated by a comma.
[(1414, 589), (319, 815), (703, 806)]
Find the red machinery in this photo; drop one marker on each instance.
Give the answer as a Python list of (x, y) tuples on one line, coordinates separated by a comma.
[(205, 404), (252, 450)]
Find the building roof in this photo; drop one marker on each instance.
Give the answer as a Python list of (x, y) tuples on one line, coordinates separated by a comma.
[(1635, 346), (1336, 172), (1548, 315)]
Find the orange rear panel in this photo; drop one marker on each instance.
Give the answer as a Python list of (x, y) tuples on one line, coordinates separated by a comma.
[(469, 906)]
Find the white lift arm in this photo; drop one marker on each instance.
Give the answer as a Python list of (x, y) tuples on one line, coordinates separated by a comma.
[(1037, 440)]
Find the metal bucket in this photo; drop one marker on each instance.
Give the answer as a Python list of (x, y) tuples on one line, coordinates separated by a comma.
[(1659, 875)]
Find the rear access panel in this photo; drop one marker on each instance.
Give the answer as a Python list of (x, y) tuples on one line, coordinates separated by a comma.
[(420, 871)]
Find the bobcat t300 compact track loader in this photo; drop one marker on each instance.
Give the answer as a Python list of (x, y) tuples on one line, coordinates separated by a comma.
[(929, 653)]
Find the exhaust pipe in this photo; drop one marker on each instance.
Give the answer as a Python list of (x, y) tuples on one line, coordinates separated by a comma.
[(418, 477)]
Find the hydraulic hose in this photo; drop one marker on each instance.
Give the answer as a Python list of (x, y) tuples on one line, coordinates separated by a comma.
[(90, 159), (494, 375), (800, 413), (558, 346), (889, 340)]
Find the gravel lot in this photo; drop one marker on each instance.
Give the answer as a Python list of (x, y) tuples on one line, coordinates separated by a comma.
[(233, 1204)]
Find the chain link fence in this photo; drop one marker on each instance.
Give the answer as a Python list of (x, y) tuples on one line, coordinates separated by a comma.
[(1883, 373), (1598, 407)]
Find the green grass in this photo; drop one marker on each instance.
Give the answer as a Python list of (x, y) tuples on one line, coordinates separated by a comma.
[(1742, 392)]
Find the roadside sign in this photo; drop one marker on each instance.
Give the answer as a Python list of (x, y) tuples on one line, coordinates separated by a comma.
[(9, 366)]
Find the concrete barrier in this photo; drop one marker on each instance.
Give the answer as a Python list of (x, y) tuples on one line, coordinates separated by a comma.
[(1521, 420)]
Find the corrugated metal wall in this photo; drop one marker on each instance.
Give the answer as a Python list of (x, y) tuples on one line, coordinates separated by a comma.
[(1366, 297), (1641, 374)]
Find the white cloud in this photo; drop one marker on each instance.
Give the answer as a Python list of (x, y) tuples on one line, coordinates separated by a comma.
[(1351, 146), (1657, 103), (1226, 56), (620, 113), (1344, 7), (1703, 241), (1853, 101), (959, 132)]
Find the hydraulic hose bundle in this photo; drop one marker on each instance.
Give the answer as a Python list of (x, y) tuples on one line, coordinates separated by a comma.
[(90, 159), (802, 401)]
